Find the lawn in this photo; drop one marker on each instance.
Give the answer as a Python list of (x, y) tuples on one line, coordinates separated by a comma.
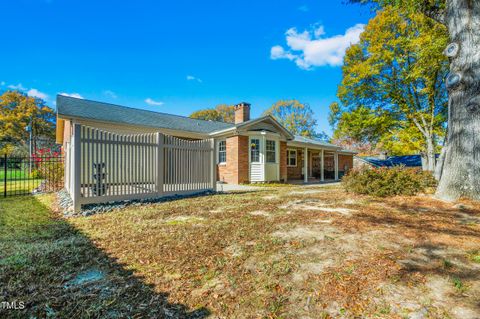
[(14, 174), (19, 187), (18, 181), (310, 252)]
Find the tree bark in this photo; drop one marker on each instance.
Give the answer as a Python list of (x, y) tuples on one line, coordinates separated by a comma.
[(461, 168)]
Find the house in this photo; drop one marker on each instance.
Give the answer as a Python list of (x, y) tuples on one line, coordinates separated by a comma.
[(249, 150), (390, 161)]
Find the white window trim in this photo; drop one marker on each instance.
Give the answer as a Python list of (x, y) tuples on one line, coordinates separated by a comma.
[(288, 157), (275, 151), (218, 152), (260, 144)]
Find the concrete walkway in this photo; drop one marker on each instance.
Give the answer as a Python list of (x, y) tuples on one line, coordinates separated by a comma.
[(237, 188), (249, 188)]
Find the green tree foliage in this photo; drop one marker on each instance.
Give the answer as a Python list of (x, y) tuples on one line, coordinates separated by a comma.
[(432, 8), (391, 91), (17, 111), (221, 113), (296, 117)]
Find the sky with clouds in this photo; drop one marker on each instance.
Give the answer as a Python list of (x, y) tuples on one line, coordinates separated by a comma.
[(179, 56)]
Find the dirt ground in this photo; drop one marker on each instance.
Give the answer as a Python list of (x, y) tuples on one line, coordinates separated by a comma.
[(302, 252)]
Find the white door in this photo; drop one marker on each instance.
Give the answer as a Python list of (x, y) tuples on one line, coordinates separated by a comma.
[(257, 168), (272, 164)]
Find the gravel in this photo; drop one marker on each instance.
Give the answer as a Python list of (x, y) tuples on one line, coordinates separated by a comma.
[(66, 203)]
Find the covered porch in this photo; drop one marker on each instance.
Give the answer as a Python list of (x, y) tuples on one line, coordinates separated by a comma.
[(316, 165)]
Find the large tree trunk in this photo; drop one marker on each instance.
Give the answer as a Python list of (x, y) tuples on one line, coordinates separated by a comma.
[(461, 168)]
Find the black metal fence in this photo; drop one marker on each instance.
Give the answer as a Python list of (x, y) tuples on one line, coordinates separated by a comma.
[(30, 175)]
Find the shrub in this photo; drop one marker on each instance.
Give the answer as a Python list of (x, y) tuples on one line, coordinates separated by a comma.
[(388, 181), (49, 166)]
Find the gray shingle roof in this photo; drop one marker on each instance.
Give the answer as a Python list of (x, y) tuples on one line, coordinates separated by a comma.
[(86, 109), (302, 139)]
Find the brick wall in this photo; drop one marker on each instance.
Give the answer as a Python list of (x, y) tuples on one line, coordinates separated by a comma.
[(345, 163), (295, 172), (222, 172), (236, 170)]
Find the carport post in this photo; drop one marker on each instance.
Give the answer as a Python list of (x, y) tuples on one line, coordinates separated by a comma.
[(160, 164), (214, 165), (336, 166), (77, 157), (322, 167), (305, 165)]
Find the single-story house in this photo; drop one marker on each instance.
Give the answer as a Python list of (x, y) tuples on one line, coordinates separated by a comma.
[(249, 150)]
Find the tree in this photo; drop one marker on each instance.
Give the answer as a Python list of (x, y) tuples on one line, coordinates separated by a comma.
[(17, 111), (391, 91), (459, 165), (221, 113), (296, 117), (362, 148)]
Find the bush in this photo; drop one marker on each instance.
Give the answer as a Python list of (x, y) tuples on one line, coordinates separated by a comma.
[(49, 166), (388, 181)]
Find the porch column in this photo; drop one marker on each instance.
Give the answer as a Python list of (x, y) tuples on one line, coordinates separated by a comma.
[(336, 165), (305, 165), (322, 167)]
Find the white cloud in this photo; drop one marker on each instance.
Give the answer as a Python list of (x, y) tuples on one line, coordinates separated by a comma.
[(310, 48), (149, 101), (319, 30), (304, 8), (75, 95), (19, 87), (110, 94), (193, 78), (37, 93)]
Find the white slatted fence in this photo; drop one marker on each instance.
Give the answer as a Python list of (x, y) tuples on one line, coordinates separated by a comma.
[(114, 167)]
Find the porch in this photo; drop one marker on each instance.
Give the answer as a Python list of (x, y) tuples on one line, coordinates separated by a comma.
[(317, 166)]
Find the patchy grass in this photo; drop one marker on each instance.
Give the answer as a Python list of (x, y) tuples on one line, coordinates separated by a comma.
[(55, 271), (279, 253)]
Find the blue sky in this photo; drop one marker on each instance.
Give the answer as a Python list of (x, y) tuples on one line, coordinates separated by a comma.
[(179, 56)]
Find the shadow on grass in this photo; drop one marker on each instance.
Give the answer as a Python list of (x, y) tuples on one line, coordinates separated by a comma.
[(448, 221), (54, 270), (429, 222)]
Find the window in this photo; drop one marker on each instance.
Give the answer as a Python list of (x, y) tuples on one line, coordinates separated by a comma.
[(222, 151), (271, 152), (255, 150), (291, 158)]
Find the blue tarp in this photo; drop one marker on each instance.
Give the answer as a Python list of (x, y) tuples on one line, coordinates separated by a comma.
[(406, 160)]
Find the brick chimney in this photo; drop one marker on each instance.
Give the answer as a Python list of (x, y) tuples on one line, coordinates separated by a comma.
[(242, 112)]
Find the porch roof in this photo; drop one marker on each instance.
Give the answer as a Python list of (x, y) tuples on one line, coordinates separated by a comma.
[(301, 141)]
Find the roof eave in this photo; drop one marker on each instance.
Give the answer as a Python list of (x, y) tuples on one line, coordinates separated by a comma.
[(171, 131), (313, 145)]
